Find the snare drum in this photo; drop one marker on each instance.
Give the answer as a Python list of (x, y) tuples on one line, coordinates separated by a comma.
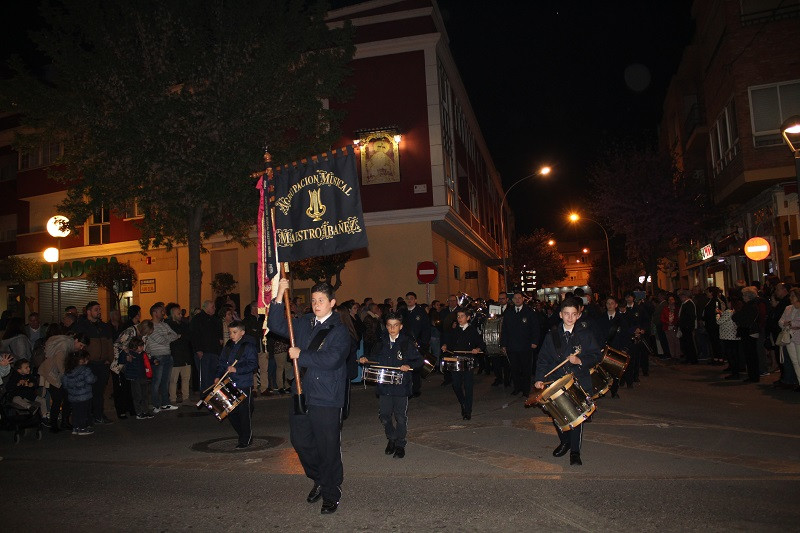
[(601, 381), (566, 402), (458, 363), (382, 375), (491, 335), (223, 398), (614, 362)]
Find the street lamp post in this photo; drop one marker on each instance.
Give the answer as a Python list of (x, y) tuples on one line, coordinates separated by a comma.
[(574, 217), (51, 255), (790, 129), (544, 171), (57, 227)]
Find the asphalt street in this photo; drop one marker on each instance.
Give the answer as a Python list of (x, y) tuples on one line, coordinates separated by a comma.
[(683, 451)]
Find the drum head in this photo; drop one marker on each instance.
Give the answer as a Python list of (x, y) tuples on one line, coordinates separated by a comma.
[(557, 387)]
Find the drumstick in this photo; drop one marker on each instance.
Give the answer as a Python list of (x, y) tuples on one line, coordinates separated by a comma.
[(464, 351), (565, 361), (223, 377)]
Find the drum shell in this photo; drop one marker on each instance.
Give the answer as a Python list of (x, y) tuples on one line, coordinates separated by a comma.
[(601, 381), (491, 335), (614, 362), (567, 403), (383, 376), (224, 398), (458, 364)]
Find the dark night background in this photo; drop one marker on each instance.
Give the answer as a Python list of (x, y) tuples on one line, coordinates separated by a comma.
[(547, 81)]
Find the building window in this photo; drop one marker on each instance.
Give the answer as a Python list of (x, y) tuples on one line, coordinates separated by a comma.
[(99, 227), (447, 135), (8, 228), (724, 138), (770, 105), (42, 156), (132, 211)]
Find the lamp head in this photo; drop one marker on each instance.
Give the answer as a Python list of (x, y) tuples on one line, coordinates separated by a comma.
[(790, 129), (574, 217), (57, 226), (51, 255), (545, 170)]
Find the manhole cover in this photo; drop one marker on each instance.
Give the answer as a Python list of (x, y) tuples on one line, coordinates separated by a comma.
[(228, 444)]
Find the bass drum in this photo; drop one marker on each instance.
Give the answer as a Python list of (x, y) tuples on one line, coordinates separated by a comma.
[(491, 335)]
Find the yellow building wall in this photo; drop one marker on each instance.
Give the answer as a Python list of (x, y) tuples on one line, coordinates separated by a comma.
[(450, 256)]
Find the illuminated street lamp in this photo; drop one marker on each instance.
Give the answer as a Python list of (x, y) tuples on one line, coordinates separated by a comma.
[(790, 129), (575, 217), (51, 256), (544, 171), (57, 227), (551, 242)]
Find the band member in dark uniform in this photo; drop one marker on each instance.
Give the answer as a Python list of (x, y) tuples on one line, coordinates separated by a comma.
[(560, 344), (243, 351), (615, 333), (395, 349), (417, 326), (322, 346), (463, 338), (519, 337), (502, 369)]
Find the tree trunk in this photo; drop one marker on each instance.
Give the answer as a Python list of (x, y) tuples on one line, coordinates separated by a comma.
[(195, 265)]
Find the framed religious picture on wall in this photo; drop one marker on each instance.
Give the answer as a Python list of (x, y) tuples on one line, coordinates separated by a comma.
[(380, 161)]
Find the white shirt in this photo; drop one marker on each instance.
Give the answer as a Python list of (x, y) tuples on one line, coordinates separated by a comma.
[(411, 308), (393, 339), (323, 319), (465, 326), (518, 308)]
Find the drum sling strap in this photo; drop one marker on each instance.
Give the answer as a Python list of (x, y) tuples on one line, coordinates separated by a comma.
[(314, 345)]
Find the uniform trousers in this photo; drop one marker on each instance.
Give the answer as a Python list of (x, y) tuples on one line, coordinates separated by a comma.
[(241, 418), (316, 438), (573, 437), (521, 368), (502, 369), (394, 407), (462, 385)]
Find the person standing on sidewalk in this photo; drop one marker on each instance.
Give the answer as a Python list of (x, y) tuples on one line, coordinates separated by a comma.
[(157, 344), (101, 353), (205, 332), (181, 350)]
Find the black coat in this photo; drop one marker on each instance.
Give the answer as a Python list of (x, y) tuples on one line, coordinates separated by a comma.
[(404, 352), (688, 315), (417, 325), (460, 339), (554, 352), (615, 333), (181, 349), (520, 329), (205, 332)]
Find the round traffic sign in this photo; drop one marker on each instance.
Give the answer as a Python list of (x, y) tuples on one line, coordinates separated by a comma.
[(757, 248), (427, 271)]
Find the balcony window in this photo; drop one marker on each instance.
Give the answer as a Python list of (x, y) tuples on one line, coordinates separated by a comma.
[(41, 156), (724, 138), (770, 105)]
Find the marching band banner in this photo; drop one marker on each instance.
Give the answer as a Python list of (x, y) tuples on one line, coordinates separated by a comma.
[(318, 207)]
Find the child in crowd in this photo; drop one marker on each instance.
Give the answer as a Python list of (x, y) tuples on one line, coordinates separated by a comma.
[(21, 387), (77, 381), (134, 371)]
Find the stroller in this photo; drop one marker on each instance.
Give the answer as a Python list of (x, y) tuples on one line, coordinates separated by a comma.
[(18, 420)]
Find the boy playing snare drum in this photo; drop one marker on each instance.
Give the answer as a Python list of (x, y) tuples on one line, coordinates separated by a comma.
[(564, 342), (398, 351)]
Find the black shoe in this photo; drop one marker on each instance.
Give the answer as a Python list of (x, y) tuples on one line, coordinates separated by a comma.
[(561, 450), (467, 416), (329, 507), (575, 459), (389, 448), (243, 446), (630, 385), (497, 383), (515, 392), (315, 495), (123, 416), (399, 452)]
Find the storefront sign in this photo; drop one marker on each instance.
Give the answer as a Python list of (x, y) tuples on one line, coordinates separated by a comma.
[(147, 286), (75, 269), (706, 252), (757, 248)]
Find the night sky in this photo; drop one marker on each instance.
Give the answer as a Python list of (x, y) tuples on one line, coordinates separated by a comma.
[(550, 82)]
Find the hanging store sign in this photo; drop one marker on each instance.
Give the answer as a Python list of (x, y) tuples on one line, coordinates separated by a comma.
[(757, 248), (706, 252)]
